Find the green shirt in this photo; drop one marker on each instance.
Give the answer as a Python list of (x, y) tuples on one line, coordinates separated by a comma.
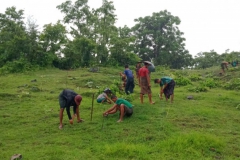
[(165, 80), (120, 101)]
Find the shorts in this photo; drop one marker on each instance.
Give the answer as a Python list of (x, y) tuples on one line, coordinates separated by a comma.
[(99, 100), (62, 100), (128, 111), (169, 90)]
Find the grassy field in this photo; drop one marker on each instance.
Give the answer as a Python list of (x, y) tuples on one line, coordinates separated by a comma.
[(206, 127)]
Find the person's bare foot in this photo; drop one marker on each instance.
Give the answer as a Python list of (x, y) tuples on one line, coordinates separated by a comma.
[(71, 121), (60, 126), (119, 120), (152, 103), (80, 120)]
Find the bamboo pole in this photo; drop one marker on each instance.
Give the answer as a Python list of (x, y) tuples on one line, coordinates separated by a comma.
[(92, 106)]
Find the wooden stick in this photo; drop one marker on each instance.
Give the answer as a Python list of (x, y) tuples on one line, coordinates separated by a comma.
[(92, 106)]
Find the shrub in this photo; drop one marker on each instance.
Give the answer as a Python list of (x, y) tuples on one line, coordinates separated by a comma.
[(16, 66), (200, 88), (211, 83), (194, 77), (182, 81), (232, 84)]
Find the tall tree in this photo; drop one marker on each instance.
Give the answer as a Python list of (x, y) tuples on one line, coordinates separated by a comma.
[(52, 40), (206, 59), (159, 39), (77, 16), (32, 40), (13, 35), (122, 48), (104, 28)]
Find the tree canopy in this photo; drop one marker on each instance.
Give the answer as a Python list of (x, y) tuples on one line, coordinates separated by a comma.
[(87, 37)]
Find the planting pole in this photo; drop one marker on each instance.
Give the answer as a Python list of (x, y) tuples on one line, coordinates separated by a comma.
[(92, 106)]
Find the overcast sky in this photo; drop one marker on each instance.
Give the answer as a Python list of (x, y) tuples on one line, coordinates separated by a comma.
[(206, 24)]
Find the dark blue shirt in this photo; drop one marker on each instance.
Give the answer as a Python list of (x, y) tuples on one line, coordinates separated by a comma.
[(128, 73)]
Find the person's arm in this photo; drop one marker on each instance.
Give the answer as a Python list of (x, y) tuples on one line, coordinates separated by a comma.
[(109, 99), (161, 92), (68, 112), (111, 110), (165, 85), (123, 75), (148, 80), (75, 109)]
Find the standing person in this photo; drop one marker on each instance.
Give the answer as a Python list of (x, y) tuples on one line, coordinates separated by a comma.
[(69, 98), (167, 85), (104, 97), (144, 80), (224, 65), (123, 106), (138, 66), (130, 80)]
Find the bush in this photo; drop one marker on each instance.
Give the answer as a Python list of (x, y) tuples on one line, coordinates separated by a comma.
[(194, 77), (16, 66), (200, 88), (232, 84), (182, 81), (211, 83)]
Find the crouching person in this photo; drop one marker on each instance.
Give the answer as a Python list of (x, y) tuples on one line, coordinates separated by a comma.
[(167, 85), (69, 98), (104, 97), (123, 106)]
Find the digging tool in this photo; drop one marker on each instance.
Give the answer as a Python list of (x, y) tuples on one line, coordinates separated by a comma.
[(92, 105)]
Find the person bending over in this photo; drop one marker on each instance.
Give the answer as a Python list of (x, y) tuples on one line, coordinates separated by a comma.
[(69, 98), (123, 106), (167, 85), (224, 65)]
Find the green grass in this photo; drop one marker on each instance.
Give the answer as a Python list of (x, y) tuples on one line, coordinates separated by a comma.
[(206, 127)]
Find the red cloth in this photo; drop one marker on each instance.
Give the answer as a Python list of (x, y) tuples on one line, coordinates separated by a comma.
[(143, 72)]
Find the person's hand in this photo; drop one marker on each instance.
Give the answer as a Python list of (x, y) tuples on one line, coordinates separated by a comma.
[(149, 85), (71, 121)]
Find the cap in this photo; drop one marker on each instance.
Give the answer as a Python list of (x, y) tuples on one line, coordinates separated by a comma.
[(78, 99)]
